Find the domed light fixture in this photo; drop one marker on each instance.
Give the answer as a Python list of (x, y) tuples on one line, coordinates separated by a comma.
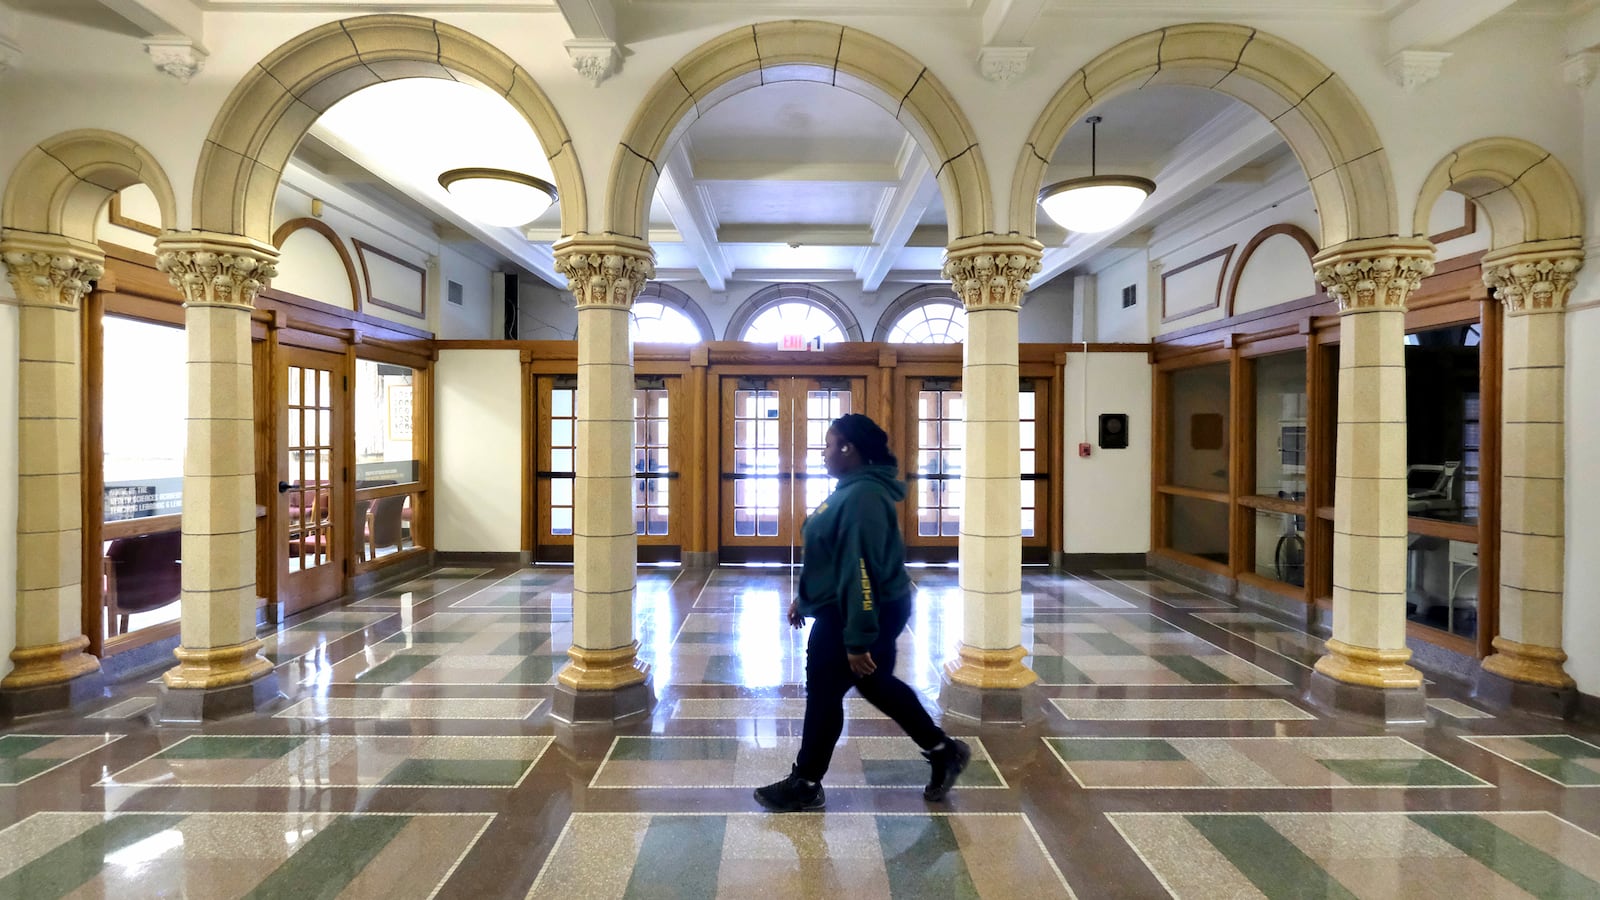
[(1098, 202), (499, 196)]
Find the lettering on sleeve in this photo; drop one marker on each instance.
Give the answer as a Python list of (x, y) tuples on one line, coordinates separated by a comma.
[(866, 589)]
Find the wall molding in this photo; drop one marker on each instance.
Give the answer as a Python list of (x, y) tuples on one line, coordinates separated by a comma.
[(306, 223), (421, 312), (1216, 301), (1469, 224), (1306, 241)]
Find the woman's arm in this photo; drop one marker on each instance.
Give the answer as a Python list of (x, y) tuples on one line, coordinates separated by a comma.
[(860, 540)]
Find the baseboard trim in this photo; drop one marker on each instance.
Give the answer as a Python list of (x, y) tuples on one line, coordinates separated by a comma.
[(1086, 562), (482, 558)]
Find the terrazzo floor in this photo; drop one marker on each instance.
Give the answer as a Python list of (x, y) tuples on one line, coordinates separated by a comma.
[(1173, 754)]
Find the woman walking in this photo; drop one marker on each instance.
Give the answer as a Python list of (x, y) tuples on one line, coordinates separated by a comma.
[(853, 584)]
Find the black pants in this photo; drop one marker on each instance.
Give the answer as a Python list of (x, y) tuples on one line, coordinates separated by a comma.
[(828, 679)]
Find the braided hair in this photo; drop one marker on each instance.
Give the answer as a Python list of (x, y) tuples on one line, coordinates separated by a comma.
[(870, 441)]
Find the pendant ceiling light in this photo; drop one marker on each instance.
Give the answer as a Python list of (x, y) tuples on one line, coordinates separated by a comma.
[(1098, 202), (499, 196)]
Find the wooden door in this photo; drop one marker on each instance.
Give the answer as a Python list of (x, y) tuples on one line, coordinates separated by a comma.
[(555, 464), (313, 544), (772, 435), (1038, 507), (658, 515)]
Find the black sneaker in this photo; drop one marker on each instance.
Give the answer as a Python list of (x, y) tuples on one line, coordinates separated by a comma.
[(793, 794), (948, 763)]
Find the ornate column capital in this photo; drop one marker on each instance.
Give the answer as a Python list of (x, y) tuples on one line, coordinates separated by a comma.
[(1534, 277), (226, 270), (1375, 274), (50, 269), (605, 270), (595, 60), (991, 274)]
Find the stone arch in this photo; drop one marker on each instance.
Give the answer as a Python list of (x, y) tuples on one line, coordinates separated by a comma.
[(1525, 191), (768, 52), (1317, 114), (274, 105), (668, 295), (774, 294), (60, 185), (323, 230), (911, 299)]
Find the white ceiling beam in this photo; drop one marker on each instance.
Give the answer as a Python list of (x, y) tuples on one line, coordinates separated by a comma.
[(804, 235), (1417, 34), (692, 216), (883, 173), (509, 243), (897, 219), (595, 48), (1215, 151)]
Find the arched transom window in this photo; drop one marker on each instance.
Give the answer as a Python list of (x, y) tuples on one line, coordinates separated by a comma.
[(810, 320), (656, 322), (931, 323)]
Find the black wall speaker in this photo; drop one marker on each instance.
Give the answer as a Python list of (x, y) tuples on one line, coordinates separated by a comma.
[(1113, 431)]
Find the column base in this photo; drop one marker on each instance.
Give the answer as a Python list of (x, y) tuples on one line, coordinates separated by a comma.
[(980, 668), (602, 686), (1527, 678), (216, 682), (51, 678), (206, 704), (1388, 706), (990, 706), (570, 706)]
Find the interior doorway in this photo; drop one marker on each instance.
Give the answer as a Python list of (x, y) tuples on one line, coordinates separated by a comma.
[(313, 548)]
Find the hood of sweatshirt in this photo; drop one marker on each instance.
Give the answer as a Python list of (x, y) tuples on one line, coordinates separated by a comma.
[(882, 478)]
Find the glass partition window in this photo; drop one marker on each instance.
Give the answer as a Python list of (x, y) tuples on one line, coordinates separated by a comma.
[(1280, 383), (931, 323), (940, 428), (793, 317), (1280, 546), (649, 320), (1198, 527), (145, 394), (1197, 439), (1442, 583), (146, 397), (385, 445), (1443, 428)]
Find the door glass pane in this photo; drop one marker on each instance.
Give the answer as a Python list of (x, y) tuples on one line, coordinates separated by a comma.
[(650, 512), (1198, 527), (1280, 436), (1197, 448), (1028, 441), (938, 463)]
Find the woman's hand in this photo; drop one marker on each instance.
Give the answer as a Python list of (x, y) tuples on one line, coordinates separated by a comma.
[(862, 664), (795, 619)]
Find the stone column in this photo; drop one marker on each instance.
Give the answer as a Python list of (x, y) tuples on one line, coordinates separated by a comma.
[(221, 670), (1365, 672), (986, 679), (50, 274), (605, 680), (1533, 280)]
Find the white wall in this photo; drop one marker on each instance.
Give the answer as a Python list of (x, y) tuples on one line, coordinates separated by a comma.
[(478, 455), (1582, 623), (1107, 496), (309, 266), (471, 320), (8, 478), (1046, 313), (1113, 324)]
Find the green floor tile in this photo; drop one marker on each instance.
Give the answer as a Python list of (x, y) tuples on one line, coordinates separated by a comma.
[(1566, 771), (14, 770), (674, 749), (1529, 868), (1408, 772), (397, 668), (1056, 670), (1116, 750), (71, 865), (1193, 670), (1109, 644), (14, 745), (230, 747), (923, 858), (325, 865), (679, 859), (436, 637), (522, 644), (1273, 863), (979, 773), (1564, 746), (536, 669), (458, 772)]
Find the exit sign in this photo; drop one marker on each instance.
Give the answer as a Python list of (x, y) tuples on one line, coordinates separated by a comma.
[(792, 342)]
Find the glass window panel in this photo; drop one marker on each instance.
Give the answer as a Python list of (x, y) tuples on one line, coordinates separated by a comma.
[(744, 523), (744, 434), (562, 460), (928, 462), (658, 521), (952, 462), (294, 418), (641, 433), (1278, 547), (936, 322), (1027, 438), (1280, 438), (1027, 522), (955, 433), (324, 387), (953, 405), (561, 491), (383, 405), (1028, 461), (793, 317), (1442, 424), (928, 433), (927, 402), (561, 432), (561, 520), (324, 428), (1198, 428), (561, 400), (658, 432), (144, 409), (1025, 402), (295, 376), (652, 320), (1442, 584), (1198, 527)]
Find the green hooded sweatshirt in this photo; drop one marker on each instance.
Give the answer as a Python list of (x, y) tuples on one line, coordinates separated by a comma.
[(854, 555)]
